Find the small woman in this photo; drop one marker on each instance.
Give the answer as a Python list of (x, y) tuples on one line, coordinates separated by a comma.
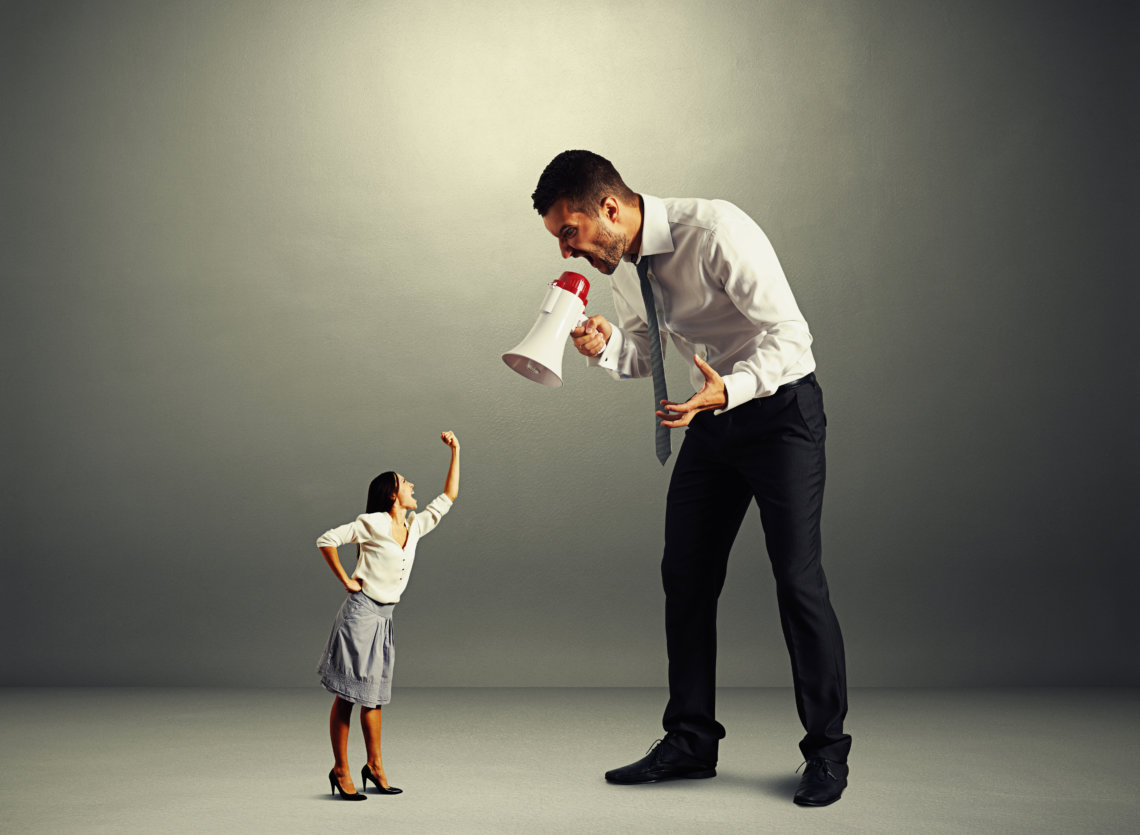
[(357, 664)]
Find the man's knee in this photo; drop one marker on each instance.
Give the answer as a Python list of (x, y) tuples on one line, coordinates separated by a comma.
[(686, 578)]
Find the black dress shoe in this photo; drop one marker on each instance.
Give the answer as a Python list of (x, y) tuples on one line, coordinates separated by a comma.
[(822, 784), (662, 762)]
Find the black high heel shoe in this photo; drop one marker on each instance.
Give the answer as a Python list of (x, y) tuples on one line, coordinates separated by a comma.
[(366, 775), (334, 785)]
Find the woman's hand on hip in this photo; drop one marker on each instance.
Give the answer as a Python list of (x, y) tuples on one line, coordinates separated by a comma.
[(353, 586)]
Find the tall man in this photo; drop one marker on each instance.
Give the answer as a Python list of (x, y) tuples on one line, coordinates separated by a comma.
[(756, 430)]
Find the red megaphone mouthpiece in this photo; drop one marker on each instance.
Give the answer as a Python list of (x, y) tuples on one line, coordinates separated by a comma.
[(574, 283)]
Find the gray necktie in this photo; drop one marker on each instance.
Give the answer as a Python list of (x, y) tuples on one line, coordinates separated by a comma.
[(661, 437)]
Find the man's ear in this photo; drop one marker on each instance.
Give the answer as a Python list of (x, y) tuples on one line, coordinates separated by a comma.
[(611, 209)]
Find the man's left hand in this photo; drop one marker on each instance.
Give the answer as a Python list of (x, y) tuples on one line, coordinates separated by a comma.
[(711, 396)]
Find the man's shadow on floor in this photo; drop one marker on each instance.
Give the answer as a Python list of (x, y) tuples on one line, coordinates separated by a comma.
[(780, 787)]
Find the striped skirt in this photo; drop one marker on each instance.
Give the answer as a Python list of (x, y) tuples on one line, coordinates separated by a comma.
[(357, 662)]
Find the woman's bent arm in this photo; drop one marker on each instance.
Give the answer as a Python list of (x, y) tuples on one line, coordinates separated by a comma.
[(330, 555), (451, 488)]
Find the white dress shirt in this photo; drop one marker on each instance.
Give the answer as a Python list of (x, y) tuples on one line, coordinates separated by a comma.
[(383, 566), (720, 293)]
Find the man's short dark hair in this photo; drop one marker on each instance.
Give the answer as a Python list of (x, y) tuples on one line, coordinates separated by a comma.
[(584, 179)]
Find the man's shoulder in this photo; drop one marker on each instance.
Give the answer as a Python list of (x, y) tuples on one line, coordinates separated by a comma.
[(703, 213)]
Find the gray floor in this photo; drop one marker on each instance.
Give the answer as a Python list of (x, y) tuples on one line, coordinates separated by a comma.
[(530, 761)]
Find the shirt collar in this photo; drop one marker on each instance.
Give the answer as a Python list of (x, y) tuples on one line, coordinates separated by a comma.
[(655, 236)]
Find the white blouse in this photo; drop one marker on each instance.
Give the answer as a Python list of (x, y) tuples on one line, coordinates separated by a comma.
[(383, 566)]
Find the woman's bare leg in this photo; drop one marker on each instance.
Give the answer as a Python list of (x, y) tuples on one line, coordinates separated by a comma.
[(370, 720), (340, 718)]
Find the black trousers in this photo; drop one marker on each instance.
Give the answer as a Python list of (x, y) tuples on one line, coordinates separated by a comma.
[(770, 450)]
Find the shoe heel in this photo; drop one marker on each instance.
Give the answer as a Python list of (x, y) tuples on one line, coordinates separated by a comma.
[(334, 786)]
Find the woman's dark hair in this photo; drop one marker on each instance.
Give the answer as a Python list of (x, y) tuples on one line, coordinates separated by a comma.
[(382, 493)]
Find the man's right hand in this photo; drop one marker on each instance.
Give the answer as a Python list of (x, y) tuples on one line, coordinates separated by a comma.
[(591, 339)]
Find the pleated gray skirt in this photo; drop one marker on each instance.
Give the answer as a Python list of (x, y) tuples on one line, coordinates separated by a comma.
[(357, 662)]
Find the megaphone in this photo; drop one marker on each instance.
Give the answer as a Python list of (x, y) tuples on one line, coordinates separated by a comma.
[(539, 356)]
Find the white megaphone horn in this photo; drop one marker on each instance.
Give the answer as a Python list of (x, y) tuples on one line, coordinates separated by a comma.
[(539, 356)]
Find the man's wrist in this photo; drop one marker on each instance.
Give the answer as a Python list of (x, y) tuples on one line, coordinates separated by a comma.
[(608, 357), (738, 388)]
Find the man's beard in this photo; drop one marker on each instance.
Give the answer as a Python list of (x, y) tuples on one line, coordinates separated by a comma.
[(613, 245)]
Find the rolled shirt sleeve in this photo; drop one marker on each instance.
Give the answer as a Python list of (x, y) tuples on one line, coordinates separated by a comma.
[(336, 537), (429, 518)]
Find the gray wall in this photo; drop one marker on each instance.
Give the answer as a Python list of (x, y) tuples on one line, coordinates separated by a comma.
[(254, 253)]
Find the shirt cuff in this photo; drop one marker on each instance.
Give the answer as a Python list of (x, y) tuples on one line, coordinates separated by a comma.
[(608, 359), (739, 387)]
